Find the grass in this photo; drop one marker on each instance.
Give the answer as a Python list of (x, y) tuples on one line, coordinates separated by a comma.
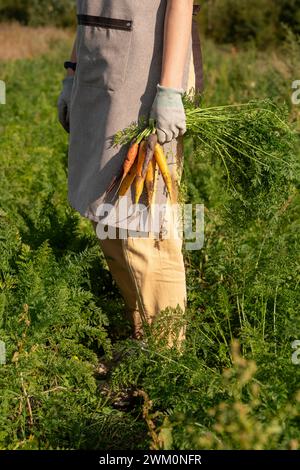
[(235, 386)]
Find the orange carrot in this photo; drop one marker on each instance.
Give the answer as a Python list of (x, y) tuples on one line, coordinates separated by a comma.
[(130, 158)]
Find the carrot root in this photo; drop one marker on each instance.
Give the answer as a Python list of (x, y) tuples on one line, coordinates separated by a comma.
[(150, 179), (163, 166), (128, 180), (130, 158), (150, 147), (139, 184)]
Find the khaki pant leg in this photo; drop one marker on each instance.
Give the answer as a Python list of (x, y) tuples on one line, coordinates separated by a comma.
[(158, 271), (150, 274), (114, 255), (157, 267)]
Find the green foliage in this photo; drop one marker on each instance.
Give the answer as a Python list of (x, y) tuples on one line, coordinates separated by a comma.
[(240, 21), (59, 309), (255, 145), (39, 12), (243, 284), (55, 289), (290, 14)]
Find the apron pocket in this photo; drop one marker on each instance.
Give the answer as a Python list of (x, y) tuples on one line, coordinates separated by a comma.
[(103, 46)]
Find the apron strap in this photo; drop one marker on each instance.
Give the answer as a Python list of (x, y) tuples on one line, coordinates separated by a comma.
[(197, 54)]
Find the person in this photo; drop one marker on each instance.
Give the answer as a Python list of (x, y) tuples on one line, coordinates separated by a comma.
[(131, 60)]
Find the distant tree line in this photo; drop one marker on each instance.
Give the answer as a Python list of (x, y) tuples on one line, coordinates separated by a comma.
[(39, 12), (264, 22)]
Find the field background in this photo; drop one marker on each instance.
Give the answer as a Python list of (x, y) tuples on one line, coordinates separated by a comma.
[(235, 386)]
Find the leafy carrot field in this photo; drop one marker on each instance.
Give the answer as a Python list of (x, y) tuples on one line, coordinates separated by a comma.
[(236, 385)]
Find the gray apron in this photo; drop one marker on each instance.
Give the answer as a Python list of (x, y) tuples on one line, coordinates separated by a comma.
[(119, 49)]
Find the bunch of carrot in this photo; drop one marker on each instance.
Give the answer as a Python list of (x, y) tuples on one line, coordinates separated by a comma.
[(248, 138), (145, 154)]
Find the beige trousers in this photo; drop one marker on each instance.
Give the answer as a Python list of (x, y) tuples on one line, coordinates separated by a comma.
[(150, 274)]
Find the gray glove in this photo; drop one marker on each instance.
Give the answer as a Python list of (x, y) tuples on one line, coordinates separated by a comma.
[(63, 103), (169, 114)]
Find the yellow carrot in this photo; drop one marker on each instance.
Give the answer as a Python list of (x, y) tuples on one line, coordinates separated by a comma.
[(128, 180), (141, 158), (139, 186), (155, 180), (139, 182), (163, 166)]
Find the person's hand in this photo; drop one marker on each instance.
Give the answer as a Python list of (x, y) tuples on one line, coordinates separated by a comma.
[(63, 103), (168, 112)]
